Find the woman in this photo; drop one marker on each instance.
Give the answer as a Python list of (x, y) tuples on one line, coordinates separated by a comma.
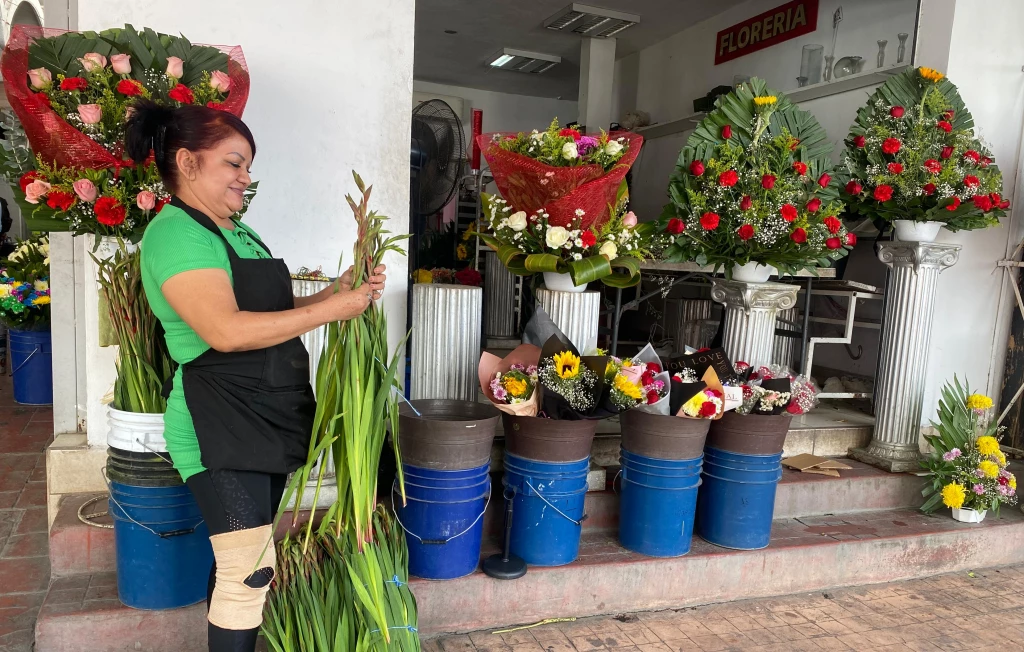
[(240, 412)]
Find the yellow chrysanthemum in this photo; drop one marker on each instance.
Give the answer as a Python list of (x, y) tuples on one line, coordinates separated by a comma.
[(514, 386), (990, 469), (693, 406), (987, 445), (1000, 457), (953, 495), (930, 74), (5, 290), (765, 100), (567, 365), (629, 389), (978, 402), (462, 252), (40, 286), (1012, 481), (423, 276), (41, 301)]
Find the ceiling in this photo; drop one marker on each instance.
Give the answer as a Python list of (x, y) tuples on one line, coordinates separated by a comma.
[(486, 26)]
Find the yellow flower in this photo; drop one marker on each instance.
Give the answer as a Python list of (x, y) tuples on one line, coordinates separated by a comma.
[(514, 386), (41, 301), (1013, 481), (5, 290), (470, 230), (41, 286), (978, 402), (987, 445), (1000, 458), (567, 365), (462, 252), (693, 406), (765, 100), (629, 389), (930, 74), (990, 469), (423, 276), (953, 495)]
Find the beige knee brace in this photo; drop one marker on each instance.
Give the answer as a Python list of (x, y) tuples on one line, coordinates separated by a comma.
[(234, 604)]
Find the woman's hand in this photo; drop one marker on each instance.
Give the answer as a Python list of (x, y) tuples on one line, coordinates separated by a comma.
[(348, 303), (373, 284)]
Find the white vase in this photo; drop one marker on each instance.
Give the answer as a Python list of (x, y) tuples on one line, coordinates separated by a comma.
[(969, 515), (911, 231), (561, 283), (753, 272), (136, 432)]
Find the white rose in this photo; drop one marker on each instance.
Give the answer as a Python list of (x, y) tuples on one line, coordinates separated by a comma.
[(609, 250), (517, 221), (556, 236), (569, 151), (612, 148)]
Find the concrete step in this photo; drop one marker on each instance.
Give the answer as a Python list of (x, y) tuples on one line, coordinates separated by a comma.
[(81, 613)]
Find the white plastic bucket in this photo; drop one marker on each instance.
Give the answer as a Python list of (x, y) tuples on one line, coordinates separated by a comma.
[(136, 432)]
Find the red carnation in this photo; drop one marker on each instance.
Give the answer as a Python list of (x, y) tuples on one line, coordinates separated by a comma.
[(28, 178), (108, 211), (469, 276), (896, 111), (891, 145), (948, 114), (859, 141), (895, 168), (945, 126), (182, 93), (833, 243), (853, 188), (955, 205), (883, 193), (675, 226), (708, 409), (798, 236), (129, 87), (800, 167), (59, 200), (971, 181), (728, 178), (746, 203), (588, 238), (727, 132), (654, 367), (709, 221), (851, 239), (570, 133), (946, 152), (788, 212), (933, 166), (832, 223), (74, 84), (697, 168), (652, 397), (985, 161), (216, 106), (928, 188), (982, 202), (745, 232), (768, 181), (824, 180), (815, 204), (973, 156), (160, 203)]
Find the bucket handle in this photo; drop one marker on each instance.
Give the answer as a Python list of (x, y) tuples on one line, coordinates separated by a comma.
[(162, 535), (578, 523), (153, 450), (441, 542), (38, 349)]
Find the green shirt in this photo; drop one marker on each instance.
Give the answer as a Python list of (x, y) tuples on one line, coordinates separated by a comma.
[(176, 243)]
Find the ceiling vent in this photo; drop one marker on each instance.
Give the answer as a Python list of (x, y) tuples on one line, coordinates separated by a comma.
[(522, 61), (590, 21)]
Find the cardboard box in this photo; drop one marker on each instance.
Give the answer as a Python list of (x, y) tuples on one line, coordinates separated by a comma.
[(807, 463)]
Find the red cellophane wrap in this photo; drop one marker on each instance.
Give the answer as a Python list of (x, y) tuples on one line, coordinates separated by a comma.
[(530, 185), (50, 136)]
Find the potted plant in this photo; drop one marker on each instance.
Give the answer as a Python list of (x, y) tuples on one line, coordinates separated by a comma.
[(914, 160), (25, 310), (754, 191)]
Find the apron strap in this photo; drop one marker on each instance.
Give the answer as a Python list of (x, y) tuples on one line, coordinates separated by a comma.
[(204, 221)]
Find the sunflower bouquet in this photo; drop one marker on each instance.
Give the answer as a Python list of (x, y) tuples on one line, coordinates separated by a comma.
[(573, 384)]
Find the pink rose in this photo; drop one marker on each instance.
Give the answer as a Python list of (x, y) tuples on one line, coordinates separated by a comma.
[(220, 81), (86, 190), (121, 63), (40, 78), (93, 61), (36, 190), (146, 200), (629, 219), (90, 113), (175, 67)]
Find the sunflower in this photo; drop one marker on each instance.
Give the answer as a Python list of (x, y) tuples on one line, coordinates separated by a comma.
[(567, 365), (978, 402), (953, 495), (990, 469), (629, 389), (988, 445), (930, 74)]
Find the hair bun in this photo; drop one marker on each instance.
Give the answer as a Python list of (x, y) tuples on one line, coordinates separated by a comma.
[(147, 128)]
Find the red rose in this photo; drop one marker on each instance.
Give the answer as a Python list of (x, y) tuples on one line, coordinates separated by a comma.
[(654, 367), (727, 132), (851, 239), (824, 180), (160, 203), (933, 166), (129, 87), (883, 193), (469, 276), (59, 200), (928, 188), (946, 152), (832, 223), (945, 126), (588, 238), (793, 408), (646, 378), (973, 156), (768, 181), (982, 202), (971, 181), (182, 93), (798, 236), (985, 161), (697, 168), (833, 243), (703, 349), (996, 198), (745, 232), (216, 106), (675, 226), (896, 111), (74, 84), (859, 141), (895, 168), (891, 145), (28, 178), (652, 397), (728, 178), (746, 203), (709, 221), (800, 167), (815, 204), (853, 188), (708, 409), (955, 205), (1004, 204), (788, 212), (570, 133), (108, 211)]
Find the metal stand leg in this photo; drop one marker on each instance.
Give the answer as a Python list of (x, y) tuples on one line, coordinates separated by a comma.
[(805, 334), (616, 318)]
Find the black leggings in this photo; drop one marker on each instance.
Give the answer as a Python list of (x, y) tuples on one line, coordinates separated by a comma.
[(230, 501)]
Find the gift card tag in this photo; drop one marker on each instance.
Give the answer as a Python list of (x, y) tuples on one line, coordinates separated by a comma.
[(733, 397)]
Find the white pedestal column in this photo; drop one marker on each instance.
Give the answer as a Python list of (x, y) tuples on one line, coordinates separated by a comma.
[(750, 311), (445, 341), (906, 334), (575, 313)]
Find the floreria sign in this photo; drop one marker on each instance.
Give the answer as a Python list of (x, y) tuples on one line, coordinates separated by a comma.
[(764, 30)]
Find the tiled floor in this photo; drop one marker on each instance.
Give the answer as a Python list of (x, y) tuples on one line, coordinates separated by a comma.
[(969, 611), (24, 562)]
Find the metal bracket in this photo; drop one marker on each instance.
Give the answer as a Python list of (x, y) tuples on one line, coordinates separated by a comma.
[(846, 339)]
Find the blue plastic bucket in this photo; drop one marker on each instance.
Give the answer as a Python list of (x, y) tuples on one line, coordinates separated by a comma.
[(547, 509), (32, 367), (736, 502), (657, 505), (162, 546), (443, 520)]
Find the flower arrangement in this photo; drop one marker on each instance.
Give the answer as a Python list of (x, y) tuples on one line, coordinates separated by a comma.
[(515, 385), (759, 400), (443, 275), (912, 155), (706, 404), (634, 383), (512, 383), (764, 388), (564, 374), (565, 147), (755, 183), (25, 286)]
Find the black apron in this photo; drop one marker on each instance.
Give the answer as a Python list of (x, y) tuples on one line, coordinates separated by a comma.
[(252, 410)]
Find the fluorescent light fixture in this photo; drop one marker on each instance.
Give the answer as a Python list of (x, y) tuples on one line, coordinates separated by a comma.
[(595, 22), (502, 60), (523, 61)]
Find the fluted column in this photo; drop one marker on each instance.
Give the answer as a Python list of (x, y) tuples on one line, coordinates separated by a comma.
[(906, 334), (750, 311), (575, 313), (500, 296), (445, 346)]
